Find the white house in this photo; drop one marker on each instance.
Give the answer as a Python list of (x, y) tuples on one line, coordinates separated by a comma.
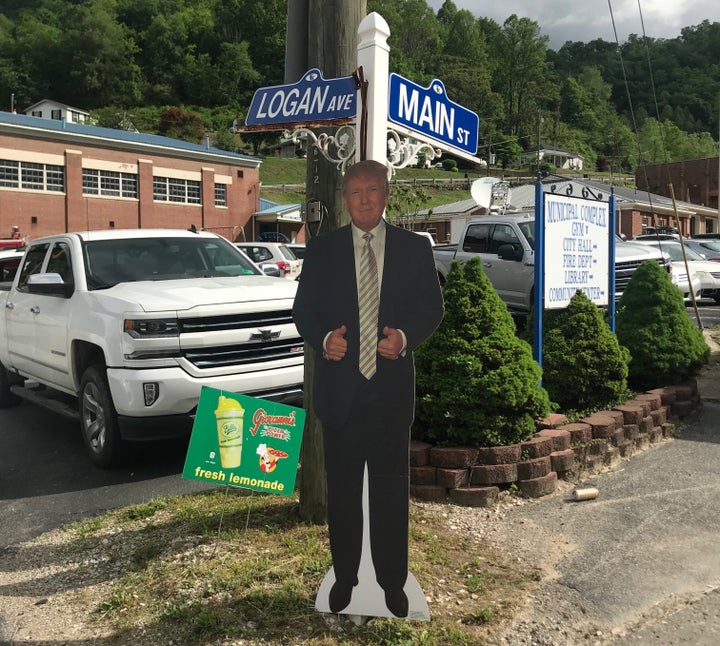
[(48, 109), (561, 159)]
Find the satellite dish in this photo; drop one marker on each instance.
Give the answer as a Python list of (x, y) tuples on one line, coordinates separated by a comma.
[(481, 190)]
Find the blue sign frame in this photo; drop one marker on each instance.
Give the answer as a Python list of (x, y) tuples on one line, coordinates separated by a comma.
[(429, 112), (311, 99)]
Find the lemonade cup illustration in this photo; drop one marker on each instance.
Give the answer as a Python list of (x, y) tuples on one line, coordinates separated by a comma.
[(229, 415)]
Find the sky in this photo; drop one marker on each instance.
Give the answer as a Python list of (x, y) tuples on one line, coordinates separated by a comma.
[(586, 20)]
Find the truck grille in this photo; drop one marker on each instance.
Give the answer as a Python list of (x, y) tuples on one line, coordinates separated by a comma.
[(262, 350), (235, 321), (624, 271), (234, 355)]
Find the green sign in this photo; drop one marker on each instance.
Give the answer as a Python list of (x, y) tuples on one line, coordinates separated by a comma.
[(245, 442)]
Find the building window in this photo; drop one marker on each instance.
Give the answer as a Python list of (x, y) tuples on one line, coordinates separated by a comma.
[(172, 189), (54, 178), (31, 176), (129, 185), (37, 113), (9, 173), (109, 183), (220, 194), (56, 114)]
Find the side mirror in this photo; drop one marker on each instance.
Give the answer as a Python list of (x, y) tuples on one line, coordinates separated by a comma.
[(50, 284), (510, 252)]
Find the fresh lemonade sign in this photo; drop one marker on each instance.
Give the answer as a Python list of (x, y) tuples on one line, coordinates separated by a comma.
[(245, 442)]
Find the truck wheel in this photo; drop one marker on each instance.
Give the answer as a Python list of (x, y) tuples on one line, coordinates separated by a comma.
[(98, 419), (7, 399)]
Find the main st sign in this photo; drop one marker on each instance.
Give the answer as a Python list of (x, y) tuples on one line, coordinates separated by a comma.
[(429, 112)]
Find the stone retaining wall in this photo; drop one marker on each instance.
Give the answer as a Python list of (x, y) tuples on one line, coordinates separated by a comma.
[(474, 476)]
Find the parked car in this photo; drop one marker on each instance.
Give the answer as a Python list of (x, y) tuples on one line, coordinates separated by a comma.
[(506, 247), (716, 236), (9, 262), (704, 274), (266, 252), (657, 236), (123, 328), (708, 248)]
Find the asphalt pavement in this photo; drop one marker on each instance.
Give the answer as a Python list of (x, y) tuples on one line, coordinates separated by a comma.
[(47, 480), (640, 564)]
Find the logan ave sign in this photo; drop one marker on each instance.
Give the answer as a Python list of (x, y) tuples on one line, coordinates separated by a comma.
[(429, 113), (309, 100)]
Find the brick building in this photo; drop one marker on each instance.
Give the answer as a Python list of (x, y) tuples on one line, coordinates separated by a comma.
[(57, 176), (694, 181)]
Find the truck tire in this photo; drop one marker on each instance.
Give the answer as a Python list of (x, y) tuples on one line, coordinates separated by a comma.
[(7, 399), (98, 419)]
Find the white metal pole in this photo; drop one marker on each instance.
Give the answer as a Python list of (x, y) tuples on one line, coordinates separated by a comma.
[(374, 58)]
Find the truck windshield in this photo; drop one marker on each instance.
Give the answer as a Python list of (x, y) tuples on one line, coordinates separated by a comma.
[(109, 262)]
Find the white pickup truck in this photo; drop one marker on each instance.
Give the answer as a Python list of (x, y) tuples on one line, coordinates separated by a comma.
[(506, 247), (122, 328)]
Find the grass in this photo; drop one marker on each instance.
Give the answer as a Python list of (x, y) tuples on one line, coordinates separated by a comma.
[(175, 574), (280, 178)]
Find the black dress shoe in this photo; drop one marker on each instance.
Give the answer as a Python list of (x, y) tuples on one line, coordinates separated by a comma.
[(396, 601), (339, 596)]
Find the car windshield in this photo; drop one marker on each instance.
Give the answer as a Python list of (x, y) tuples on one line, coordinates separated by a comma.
[(109, 262), (675, 252), (711, 245)]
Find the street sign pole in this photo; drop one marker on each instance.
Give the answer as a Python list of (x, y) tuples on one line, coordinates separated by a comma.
[(373, 56)]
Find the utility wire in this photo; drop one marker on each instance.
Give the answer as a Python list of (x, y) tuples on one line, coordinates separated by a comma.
[(662, 139)]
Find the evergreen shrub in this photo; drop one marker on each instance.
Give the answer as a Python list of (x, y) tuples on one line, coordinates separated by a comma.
[(477, 383), (584, 366), (666, 348)]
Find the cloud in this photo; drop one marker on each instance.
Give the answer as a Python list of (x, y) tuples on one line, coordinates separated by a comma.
[(563, 20)]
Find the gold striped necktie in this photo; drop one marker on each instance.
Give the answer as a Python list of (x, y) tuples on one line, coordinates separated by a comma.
[(368, 301)]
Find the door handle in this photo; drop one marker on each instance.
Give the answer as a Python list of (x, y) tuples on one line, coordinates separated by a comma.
[(9, 306), (35, 309)]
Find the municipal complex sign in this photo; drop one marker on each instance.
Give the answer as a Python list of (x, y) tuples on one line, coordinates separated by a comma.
[(311, 99), (429, 112), (577, 239)]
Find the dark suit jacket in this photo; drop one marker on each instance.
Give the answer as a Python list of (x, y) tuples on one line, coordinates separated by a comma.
[(410, 300)]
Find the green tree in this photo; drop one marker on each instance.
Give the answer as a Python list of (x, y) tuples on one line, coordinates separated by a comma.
[(415, 37), (406, 201), (584, 366), (477, 382), (522, 77), (666, 348)]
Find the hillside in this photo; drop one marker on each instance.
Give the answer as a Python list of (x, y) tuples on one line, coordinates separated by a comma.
[(283, 179)]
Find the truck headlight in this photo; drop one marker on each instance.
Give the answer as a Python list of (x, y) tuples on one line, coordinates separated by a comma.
[(151, 328)]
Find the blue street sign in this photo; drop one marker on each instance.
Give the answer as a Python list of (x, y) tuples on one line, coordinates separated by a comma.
[(311, 99), (429, 112)]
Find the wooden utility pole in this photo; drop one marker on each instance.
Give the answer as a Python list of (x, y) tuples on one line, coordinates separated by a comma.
[(332, 48)]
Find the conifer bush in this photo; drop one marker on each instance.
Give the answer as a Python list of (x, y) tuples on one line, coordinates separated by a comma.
[(584, 366), (477, 383), (666, 348)]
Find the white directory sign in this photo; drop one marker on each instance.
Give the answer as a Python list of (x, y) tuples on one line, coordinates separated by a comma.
[(576, 250)]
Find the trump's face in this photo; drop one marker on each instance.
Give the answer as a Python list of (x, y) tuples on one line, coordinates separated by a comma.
[(366, 197)]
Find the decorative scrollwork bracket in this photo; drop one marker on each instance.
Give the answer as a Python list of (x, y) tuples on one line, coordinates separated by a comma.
[(402, 151), (586, 192), (337, 148)]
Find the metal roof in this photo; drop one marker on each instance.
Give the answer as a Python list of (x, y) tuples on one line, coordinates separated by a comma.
[(112, 138)]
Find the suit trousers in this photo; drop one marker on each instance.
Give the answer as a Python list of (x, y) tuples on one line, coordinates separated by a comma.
[(369, 437)]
